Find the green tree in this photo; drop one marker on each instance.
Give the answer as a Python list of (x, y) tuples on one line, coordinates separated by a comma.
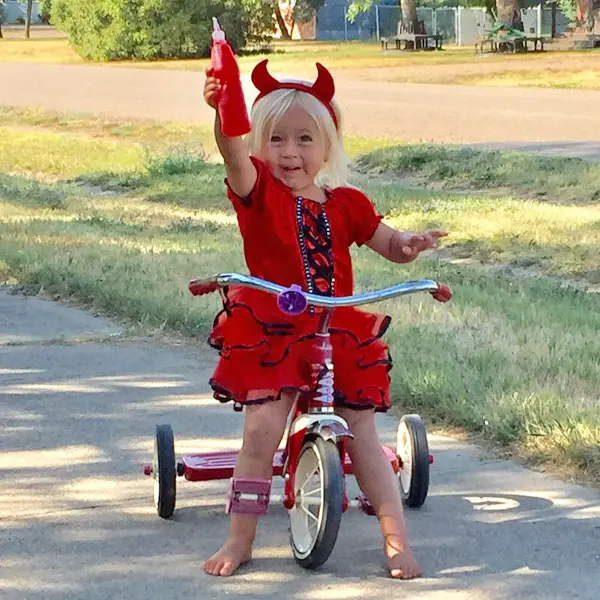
[(151, 29), (260, 23), (506, 11), (584, 14), (2, 16), (303, 11), (306, 10), (568, 8), (45, 10), (28, 18), (408, 9)]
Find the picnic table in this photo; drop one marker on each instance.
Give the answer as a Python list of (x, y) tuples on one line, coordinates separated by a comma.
[(507, 39), (418, 39)]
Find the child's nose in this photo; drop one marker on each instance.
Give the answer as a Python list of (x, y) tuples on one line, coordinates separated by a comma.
[(290, 149)]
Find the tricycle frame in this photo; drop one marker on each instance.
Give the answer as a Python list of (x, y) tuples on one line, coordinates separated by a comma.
[(312, 418)]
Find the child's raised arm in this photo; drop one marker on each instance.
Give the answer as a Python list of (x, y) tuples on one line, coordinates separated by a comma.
[(241, 173)]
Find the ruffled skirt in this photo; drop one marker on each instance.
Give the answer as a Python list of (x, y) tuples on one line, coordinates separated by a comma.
[(264, 352)]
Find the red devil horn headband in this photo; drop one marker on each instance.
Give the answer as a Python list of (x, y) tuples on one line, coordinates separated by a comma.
[(322, 89)]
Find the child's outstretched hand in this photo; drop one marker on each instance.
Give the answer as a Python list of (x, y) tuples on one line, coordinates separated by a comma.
[(412, 244), (212, 89)]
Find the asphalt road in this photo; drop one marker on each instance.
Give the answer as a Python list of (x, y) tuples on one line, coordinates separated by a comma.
[(79, 404), (545, 120)]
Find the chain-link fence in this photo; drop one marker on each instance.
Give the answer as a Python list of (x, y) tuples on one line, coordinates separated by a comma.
[(388, 17), (459, 25), (445, 23)]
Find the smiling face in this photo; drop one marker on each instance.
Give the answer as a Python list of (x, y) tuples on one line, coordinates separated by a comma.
[(296, 150), (285, 116)]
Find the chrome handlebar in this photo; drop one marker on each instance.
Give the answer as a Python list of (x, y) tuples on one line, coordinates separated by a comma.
[(439, 291)]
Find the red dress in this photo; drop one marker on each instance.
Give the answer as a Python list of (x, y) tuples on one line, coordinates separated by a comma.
[(290, 240)]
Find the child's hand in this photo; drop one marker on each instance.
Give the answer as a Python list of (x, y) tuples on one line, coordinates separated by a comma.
[(412, 244), (212, 89)]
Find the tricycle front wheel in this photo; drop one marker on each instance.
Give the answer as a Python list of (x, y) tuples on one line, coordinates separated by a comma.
[(317, 512)]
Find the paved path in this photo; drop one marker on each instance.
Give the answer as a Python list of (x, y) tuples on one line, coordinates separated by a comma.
[(548, 120), (76, 518)]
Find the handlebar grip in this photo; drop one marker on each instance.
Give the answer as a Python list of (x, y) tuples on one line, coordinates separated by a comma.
[(199, 287), (442, 294)]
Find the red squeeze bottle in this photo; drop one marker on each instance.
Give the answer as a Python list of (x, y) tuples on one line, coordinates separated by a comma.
[(232, 105)]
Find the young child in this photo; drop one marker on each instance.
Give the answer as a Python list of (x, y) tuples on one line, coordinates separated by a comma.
[(286, 182)]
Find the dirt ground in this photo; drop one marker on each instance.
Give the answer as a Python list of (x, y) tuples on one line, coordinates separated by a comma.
[(482, 66), (37, 32)]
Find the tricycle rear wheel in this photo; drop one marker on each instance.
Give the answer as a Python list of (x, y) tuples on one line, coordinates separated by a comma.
[(316, 515), (164, 471), (413, 451)]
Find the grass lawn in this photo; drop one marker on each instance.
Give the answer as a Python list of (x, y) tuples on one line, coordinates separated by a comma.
[(336, 54), (582, 79), (118, 218), (365, 60), (554, 179)]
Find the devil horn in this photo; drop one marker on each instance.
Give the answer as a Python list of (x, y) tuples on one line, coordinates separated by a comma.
[(324, 87), (262, 79)]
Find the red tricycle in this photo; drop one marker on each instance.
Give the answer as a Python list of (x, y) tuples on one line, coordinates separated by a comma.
[(314, 462)]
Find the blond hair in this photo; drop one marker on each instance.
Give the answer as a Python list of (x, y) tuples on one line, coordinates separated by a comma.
[(268, 111)]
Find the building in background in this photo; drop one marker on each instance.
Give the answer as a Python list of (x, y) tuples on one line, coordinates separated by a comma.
[(17, 12)]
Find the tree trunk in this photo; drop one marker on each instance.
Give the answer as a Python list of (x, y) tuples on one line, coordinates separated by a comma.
[(28, 19), (509, 13), (585, 14), (409, 15), (285, 34)]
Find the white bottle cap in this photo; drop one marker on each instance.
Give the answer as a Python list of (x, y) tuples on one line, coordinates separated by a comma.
[(218, 33)]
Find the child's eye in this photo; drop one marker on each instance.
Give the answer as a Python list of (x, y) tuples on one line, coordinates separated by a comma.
[(305, 139), (275, 139)]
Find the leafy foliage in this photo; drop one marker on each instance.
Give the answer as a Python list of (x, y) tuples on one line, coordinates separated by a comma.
[(358, 6), (305, 10), (153, 29), (569, 9)]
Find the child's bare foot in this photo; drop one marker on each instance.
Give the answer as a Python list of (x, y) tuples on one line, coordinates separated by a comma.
[(401, 562), (227, 560)]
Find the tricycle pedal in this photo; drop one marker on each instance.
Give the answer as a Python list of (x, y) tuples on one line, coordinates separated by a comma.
[(365, 506)]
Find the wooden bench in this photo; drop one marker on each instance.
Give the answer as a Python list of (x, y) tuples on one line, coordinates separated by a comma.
[(536, 41)]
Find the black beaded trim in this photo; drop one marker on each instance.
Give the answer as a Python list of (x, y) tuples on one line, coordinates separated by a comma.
[(322, 228)]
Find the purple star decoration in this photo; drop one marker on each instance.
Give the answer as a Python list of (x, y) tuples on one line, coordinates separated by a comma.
[(292, 301)]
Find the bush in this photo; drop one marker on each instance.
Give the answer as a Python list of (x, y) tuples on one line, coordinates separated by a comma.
[(150, 29), (45, 10), (175, 161)]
